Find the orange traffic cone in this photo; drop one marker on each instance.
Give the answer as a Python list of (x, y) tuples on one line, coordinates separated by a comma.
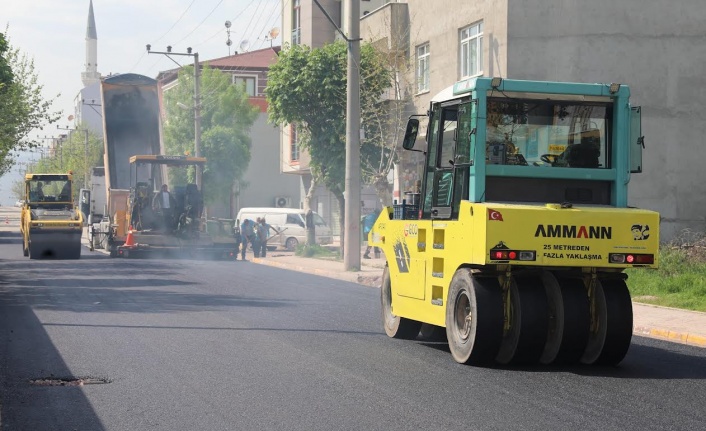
[(129, 241)]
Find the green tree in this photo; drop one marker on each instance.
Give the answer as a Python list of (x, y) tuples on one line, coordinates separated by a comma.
[(307, 87), (6, 75), (23, 107), (226, 118)]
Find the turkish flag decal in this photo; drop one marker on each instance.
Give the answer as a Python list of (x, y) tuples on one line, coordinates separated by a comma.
[(494, 215)]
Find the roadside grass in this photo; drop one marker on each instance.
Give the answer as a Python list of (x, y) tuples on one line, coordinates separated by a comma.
[(680, 281), (316, 251)]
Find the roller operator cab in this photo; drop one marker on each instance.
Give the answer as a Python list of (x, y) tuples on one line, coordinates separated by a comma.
[(517, 238)]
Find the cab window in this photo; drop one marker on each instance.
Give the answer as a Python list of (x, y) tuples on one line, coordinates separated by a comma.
[(541, 133)]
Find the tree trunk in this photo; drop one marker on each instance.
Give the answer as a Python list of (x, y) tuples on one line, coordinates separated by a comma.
[(310, 229), (342, 224)]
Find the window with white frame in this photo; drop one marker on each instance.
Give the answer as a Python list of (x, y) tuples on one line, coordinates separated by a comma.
[(249, 82), (296, 22), (293, 143), (471, 53), (423, 68)]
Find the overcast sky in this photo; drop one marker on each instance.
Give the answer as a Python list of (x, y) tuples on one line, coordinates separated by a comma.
[(53, 33)]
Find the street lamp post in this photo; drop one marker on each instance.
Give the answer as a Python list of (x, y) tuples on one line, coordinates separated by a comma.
[(197, 101)]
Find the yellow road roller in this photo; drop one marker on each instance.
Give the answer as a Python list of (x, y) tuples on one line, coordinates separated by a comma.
[(51, 224)]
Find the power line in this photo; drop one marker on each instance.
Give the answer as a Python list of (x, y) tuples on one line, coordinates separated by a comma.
[(177, 21), (164, 34), (199, 24)]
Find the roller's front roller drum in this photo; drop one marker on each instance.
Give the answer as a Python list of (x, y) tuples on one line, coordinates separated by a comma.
[(55, 244)]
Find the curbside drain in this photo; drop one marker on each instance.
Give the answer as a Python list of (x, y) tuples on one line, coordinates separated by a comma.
[(69, 381)]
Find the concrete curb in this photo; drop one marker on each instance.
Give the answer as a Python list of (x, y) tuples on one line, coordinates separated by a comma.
[(659, 332), (673, 336)]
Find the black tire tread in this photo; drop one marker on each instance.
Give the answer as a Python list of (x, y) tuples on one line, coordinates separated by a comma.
[(485, 295)]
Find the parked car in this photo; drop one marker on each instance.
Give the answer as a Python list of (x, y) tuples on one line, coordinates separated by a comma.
[(19, 203)]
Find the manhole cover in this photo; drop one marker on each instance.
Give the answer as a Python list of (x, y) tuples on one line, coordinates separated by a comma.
[(68, 381)]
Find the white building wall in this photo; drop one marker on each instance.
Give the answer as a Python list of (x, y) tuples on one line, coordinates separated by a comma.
[(87, 108), (263, 180), (658, 49)]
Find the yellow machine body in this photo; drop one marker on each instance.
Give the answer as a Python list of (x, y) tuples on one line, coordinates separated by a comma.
[(423, 255)]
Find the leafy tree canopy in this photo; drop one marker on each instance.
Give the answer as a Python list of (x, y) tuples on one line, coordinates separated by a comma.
[(226, 118), (307, 87), (6, 75), (22, 108)]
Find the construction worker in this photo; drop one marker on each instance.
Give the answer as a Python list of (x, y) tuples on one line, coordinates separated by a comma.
[(263, 232), (164, 202), (247, 233)]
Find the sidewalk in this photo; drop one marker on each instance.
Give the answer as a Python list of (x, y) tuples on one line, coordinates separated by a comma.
[(670, 324)]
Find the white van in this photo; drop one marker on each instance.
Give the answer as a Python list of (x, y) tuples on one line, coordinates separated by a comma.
[(290, 222)]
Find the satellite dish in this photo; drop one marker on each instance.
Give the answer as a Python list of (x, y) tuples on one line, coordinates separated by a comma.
[(244, 45), (273, 33)]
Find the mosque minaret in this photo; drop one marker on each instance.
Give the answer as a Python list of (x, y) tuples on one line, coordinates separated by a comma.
[(91, 75)]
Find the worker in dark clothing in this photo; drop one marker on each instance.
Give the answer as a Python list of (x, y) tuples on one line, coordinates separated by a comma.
[(164, 203), (247, 233), (237, 237), (263, 232)]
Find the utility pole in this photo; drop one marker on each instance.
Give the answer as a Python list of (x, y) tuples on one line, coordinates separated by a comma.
[(85, 160), (61, 145), (197, 117), (197, 100), (351, 252)]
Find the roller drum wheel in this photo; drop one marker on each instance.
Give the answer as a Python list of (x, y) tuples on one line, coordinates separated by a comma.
[(74, 252), (395, 326), (474, 317), (569, 319), (524, 339), (34, 252), (598, 325), (619, 320)]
